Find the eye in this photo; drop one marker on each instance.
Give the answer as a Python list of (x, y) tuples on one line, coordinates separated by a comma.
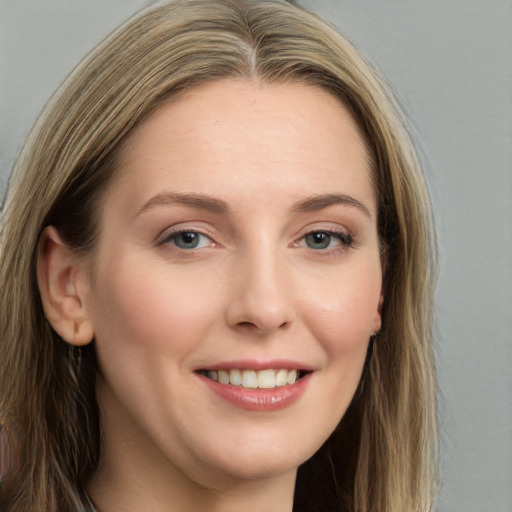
[(188, 240), (321, 240)]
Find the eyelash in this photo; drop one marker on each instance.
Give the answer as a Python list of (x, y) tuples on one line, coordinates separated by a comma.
[(346, 240), (173, 236)]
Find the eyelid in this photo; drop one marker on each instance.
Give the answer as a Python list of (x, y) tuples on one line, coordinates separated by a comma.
[(339, 231), (174, 231), (336, 230), (328, 227)]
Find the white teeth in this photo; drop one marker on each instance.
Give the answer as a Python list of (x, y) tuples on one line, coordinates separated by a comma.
[(292, 377), (266, 379), (223, 377), (235, 378), (281, 378), (251, 379)]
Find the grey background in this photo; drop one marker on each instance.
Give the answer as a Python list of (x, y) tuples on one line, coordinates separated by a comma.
[(451, 63)]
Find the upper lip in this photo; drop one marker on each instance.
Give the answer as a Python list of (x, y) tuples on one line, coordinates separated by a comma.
[(272, 364)]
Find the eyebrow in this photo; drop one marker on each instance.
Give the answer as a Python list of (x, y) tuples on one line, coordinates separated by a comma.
[(320, 202), (195, 200), (212, 204)]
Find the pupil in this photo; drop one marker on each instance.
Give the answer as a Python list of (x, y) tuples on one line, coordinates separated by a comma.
[(318, 240), (189, 239)]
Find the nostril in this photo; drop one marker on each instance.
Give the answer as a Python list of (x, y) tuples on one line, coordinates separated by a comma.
[(261, 327), (250, 311), (249, 325)]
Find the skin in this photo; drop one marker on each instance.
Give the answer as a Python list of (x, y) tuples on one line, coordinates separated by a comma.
[(255, 288)]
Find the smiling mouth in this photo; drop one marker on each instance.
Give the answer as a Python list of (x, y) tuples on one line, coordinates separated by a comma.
[(255, 379)]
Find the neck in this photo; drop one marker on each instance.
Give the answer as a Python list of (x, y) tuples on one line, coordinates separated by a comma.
[(130, 493), (261, 497)]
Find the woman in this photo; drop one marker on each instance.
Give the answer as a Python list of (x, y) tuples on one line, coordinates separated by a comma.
[(217, 277)]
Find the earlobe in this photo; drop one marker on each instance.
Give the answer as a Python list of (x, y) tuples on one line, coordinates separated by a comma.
[(62, 285), (377, 323)]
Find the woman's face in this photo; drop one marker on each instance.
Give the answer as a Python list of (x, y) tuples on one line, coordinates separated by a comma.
[(238, 251)]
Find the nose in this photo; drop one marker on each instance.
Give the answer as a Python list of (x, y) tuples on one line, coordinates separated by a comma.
[(262, 299)]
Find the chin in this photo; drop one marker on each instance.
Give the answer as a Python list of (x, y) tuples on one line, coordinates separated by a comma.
[(260, 458)]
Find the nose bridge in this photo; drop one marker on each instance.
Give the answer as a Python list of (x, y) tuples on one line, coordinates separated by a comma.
[(263, 296)]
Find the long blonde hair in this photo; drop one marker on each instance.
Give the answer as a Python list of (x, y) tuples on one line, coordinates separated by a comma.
[(383, 455)]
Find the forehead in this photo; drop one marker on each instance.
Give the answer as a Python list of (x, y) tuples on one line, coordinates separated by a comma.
[(289, 136)]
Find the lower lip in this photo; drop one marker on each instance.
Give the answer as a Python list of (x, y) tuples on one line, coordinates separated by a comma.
[(264, 400)]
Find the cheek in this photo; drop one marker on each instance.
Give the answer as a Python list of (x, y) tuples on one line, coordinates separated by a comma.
[(151, 315), (342, 315)]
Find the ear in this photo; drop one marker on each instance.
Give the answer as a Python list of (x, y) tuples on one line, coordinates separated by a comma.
[(377, 321), (63, 284)]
